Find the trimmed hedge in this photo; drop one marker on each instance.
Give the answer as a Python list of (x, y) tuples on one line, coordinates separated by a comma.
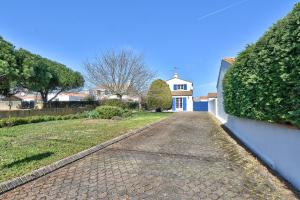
[(264, 82), (14, 121)]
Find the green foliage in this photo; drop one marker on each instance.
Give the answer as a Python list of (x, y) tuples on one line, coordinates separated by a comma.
[(119, 103), (21, 68), (264, 83), (9, 71), (159, 96), (93, 114), (45, 76), (107, 112)]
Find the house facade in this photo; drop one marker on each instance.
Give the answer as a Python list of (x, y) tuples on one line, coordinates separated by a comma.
[(182, 94)]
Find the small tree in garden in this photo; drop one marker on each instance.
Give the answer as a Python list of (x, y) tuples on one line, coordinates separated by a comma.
[(159, 96)]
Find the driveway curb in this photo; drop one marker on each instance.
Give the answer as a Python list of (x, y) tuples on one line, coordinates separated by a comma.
[(13, 183)]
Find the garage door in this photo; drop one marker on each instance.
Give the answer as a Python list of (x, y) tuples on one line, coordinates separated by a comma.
[(201, 106)]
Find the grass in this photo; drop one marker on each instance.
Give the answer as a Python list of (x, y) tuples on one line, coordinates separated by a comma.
[(27, 147)]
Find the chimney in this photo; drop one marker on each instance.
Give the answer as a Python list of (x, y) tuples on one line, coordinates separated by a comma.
[(175, 75)]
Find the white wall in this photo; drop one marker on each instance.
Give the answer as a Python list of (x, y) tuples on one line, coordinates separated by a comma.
[(4, 105), (212, 106), (277, 145)]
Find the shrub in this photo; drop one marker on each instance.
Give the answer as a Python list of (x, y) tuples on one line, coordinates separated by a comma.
[(92, 114), (264, 83), (119, 103), (126, 113), (159, 96), (107, 112)]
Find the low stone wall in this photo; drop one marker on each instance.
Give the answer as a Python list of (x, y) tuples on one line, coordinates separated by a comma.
[(46, 111)]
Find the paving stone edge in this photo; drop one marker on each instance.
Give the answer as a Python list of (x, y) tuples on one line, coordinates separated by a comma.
[(18, 181)]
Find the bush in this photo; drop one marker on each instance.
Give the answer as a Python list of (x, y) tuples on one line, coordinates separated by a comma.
[(159, 96), (119, 103), (264, 83), (107, 112), (91, 114)]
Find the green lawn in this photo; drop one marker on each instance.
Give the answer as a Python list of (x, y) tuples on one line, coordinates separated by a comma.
[(27, 147)]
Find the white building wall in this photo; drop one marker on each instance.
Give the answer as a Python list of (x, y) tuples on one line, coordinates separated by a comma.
[(277, 145), (173, 81), (221, 114), (212, 106)]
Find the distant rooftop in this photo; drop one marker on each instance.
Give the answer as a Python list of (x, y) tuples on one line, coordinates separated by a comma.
[(212, 95)]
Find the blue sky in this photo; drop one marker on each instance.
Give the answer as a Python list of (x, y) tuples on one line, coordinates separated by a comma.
[(191, 35)]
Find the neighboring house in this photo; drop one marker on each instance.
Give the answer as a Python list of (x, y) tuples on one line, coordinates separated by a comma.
[(100, 93), (10, 103), (69, 96), (182, 94), (64, 96)]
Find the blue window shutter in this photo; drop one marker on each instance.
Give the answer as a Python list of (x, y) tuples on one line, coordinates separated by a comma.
[(185, 86), (184, 103), (173, 104), (174, 87)]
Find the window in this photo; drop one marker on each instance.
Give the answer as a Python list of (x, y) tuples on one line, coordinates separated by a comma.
[(178, 102), (181, 87)]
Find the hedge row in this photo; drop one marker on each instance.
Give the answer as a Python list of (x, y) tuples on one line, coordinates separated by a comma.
[(119, 103), (264, 82), (14, 121), (103, 112)]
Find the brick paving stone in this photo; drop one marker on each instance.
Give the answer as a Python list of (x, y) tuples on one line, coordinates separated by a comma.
[(187, 156)]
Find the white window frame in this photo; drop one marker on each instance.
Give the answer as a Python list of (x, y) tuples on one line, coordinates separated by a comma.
[(179, 103)]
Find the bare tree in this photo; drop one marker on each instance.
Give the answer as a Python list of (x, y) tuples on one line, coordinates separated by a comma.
[(121, 73)]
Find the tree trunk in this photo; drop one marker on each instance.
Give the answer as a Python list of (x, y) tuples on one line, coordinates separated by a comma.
[(140, 103), (44, 96)]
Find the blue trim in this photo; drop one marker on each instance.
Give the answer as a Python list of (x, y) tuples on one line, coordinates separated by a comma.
[(185, 86), (173, 104), (184, 103), (174, 87)]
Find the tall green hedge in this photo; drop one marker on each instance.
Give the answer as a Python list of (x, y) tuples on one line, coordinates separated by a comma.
[(264, 82)]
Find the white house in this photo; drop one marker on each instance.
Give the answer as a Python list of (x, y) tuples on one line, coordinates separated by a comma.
[(182, 94), (100, 93)]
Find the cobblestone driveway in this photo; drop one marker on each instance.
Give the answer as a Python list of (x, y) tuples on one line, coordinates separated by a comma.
[(185, 157)]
